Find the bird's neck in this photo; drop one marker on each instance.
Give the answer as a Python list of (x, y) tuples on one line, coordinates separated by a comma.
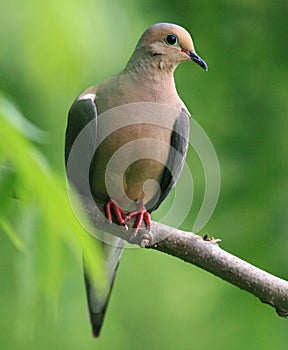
[(152, 73)]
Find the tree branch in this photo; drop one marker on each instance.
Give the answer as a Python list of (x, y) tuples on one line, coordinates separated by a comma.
[(209, 256), (204, 253)]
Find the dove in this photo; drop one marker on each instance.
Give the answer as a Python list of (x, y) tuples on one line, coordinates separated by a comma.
[(159, 143)]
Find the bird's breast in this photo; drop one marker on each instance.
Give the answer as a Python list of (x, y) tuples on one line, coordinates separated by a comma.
[(129, 164)]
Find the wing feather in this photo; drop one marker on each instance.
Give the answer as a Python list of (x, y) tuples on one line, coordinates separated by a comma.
[(177, 155)]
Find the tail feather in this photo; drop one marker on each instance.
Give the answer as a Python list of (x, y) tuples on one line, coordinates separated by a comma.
[(98, 300), (96, 308)]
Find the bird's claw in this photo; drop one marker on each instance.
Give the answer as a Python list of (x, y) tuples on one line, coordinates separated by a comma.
[(141, 215), (113, 207)]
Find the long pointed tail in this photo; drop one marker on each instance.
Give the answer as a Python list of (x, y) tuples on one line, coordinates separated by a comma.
[(98, 300)]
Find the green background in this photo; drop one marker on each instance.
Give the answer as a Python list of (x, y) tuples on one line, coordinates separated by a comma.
[(51, 51)]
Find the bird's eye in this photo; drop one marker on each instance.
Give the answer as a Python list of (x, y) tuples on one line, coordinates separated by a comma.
[(171, 39)]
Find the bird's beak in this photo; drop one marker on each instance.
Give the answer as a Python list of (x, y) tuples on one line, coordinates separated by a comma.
[(197, 59)]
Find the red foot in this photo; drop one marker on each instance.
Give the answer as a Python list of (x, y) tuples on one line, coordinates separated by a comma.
[(141, 215), (113, 207)]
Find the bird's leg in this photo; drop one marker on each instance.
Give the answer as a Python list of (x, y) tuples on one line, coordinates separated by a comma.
[(113, 207), (141, 215)]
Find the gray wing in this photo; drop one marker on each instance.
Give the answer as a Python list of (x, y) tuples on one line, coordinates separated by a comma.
[(80, 141), (79, 150), (177, 155)]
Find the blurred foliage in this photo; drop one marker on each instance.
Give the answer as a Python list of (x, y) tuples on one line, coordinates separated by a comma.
[(49, 53), (39, 212)]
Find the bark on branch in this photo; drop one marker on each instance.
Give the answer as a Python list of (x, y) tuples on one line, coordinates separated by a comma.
[(204, 253)]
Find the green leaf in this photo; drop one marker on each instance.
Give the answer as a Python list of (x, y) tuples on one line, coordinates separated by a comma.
[(7, 184), (19, 122), (12, 235)]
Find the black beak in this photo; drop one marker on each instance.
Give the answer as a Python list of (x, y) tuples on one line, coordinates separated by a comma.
[(197, 59)]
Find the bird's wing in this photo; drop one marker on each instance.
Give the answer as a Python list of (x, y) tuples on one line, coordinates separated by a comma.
[(80, 141), (177, 155), (81, 128)]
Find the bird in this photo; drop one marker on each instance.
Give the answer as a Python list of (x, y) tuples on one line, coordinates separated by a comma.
[(146, 83)]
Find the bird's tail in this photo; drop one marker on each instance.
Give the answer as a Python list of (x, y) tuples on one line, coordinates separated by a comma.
[(98, 299)]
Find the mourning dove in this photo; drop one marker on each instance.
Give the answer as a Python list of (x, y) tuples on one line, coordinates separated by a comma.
[(145, 85)]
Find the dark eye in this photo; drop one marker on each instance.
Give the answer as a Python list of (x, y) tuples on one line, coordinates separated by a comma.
[(171, 39)]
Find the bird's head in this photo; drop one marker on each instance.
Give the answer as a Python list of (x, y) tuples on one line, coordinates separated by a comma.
[(169, 44)]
